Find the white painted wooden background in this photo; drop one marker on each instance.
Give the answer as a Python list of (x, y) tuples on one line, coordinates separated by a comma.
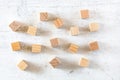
[(104, 63)]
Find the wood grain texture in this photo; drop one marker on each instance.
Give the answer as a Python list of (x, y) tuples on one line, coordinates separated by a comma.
[(104, 63)]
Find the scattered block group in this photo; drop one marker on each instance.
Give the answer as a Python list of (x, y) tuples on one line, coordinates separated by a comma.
[(73, 48), (22, 65), (58, 22)]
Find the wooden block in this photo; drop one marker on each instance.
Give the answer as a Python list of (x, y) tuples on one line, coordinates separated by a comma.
[(36, 48), (58, 22), (73, 48), (93, 27), (43, 16), (93, 46), (22, 65), (54, 42), (55, 62), (74, 31), (15, 25), (84, 14), (16, 46), (84, 62), (32, 30)]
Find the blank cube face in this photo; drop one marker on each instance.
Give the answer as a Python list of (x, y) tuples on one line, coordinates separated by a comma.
[(15, 25), (43, 16), (16, 46), (93, 46), (22, 65), (73, 48), (84, 62), (54, 62), (36, 48), (58, 23), (32, 30), (93, 27), (54, 42), (84, 14), (74, 31)]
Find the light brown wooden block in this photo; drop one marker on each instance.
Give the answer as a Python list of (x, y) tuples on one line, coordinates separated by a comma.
[(84, 14), (43, 16), (84, 62), (22, 65), (16, 46), (32, 30), (73, 48), (93, 46), (55, 62), (15, 25), (36, 48), (54, 42), (58, 22), (93, 27), (74, 31)]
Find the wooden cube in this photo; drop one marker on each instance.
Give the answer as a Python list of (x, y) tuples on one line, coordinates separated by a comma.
[(43, 16), (93, 46), (16, 46), (22, 65), (15, 25), (84, 62), (93, 27), (32, 30), (73, 48), (84, 14), (55, 62), (58, 22), (74, 31), (54, 42), (36, 48)]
